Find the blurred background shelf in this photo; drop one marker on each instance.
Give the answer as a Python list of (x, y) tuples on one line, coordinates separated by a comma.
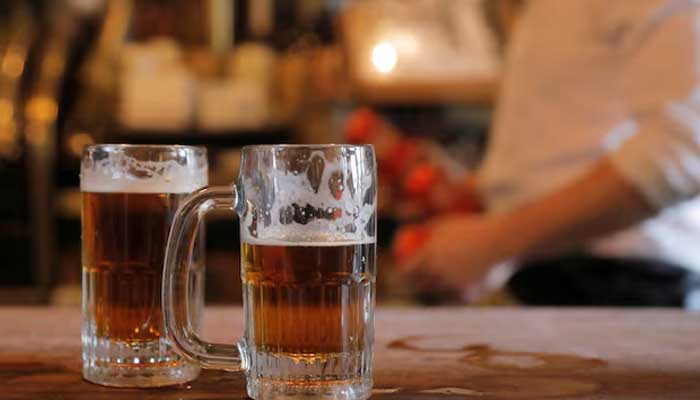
[(224, 138), (24, 295), (76, 73), (470, 92)]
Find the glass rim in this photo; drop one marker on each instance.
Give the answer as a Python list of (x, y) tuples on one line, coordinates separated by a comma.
[(320, 146), (199, 150)]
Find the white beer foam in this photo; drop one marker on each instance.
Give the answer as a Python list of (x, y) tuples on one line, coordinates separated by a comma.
[(315, 242), (291, 188), (120, 173)]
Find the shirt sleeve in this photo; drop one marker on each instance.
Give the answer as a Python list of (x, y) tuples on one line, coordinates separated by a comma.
[(659, 78)]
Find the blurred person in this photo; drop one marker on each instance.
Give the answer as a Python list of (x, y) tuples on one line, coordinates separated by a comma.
[(593, 166)]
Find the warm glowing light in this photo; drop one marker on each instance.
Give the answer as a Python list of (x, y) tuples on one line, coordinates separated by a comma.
[(384, 57), (12, 65), (41, 109), (7, 112), (77, 141)]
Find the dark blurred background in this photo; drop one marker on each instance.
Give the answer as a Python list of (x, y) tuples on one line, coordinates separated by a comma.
[(224, 74)]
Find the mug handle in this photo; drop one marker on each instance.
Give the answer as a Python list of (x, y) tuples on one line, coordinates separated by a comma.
[(176, 272)]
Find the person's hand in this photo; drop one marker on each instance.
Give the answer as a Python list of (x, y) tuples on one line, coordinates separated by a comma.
[(456, 251)]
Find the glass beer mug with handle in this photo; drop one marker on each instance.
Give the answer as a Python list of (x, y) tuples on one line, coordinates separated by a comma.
[(307, 226)]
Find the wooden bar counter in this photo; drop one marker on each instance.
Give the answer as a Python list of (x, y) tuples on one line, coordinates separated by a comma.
[(434, 353)]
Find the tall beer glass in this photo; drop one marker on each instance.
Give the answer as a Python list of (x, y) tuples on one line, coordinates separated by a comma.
[(307, 224), (130, 195)]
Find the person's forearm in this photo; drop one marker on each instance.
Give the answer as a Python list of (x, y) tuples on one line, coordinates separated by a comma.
[(600, 202)]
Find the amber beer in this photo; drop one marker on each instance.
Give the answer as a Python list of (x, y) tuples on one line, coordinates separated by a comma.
[(309, 299), (130, 195), (124, 236)]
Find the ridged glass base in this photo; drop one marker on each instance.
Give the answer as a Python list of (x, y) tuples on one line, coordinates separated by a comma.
[(260, 389), (338, 376), (142, 364)]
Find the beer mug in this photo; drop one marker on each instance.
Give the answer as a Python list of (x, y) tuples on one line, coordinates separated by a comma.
[(130, 194), (308, 238)]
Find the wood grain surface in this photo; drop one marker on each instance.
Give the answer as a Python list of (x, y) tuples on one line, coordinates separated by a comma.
[(442, 353)]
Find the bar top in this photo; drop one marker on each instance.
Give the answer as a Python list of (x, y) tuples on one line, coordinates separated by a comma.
[(433, 353)]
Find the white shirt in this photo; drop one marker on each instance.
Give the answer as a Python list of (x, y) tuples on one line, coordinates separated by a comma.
[(587, 79)]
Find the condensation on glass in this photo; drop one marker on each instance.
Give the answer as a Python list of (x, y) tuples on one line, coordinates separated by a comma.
[(130, 194), (308, 243)]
